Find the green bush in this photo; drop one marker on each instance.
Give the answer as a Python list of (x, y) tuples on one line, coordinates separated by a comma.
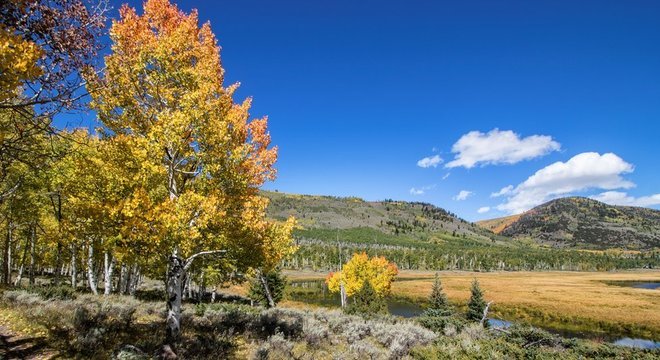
[(438, 323), (367, 302), (60, 292)]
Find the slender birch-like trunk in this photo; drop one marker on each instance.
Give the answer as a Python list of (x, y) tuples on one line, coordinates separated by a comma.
[(73, 268), (90, 268), (19, 277), (108, 267), (135, 280), (33, 237), (175, 279)]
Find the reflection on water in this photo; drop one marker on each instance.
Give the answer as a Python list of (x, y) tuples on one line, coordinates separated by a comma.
[(638, 343), (316, 292), (499, 323)]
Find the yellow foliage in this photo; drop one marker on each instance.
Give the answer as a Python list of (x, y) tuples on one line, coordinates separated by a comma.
[(199, 159), (18, 62), (360, 268)]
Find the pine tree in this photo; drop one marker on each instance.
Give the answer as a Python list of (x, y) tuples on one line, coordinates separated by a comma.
[(367, 301), (276, 285), (477, 304), (438, 302)]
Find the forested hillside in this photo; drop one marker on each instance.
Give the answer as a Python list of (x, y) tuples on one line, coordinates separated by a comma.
[(585, 223), (422, 236)]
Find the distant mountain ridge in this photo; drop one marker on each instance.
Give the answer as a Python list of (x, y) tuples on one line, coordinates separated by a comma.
[(583, 223), (387, 216)]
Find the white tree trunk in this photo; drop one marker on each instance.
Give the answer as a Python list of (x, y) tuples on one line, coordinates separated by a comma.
[(122, 279), (175, 279), (135, 280), (6, 258), (32, 241), (342, 294), (90, 268), (74, 270), (264, 284), (174, 283), (108, 267), (23, 259)]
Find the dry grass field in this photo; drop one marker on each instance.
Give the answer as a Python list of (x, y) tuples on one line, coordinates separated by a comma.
[(571, 301)]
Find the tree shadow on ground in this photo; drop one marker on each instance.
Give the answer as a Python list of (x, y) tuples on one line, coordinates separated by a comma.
[(15, 347)]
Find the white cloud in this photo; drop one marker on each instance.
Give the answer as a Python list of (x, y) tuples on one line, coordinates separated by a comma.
[(483, 209), (422, 190), (430, 161), (584, 171), (462, 195), (499, 147), (504, 191), (446, 176), (622, 198)]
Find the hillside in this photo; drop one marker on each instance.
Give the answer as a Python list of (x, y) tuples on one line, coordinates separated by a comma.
[(583, 223), (498, 224), (412, 219), (419, 236)]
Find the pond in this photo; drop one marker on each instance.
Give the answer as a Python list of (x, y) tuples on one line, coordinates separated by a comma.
[(650, 285), (316, 292), (625, 341)]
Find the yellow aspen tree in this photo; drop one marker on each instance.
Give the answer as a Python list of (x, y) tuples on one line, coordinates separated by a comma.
[(202, 160), (360, 269)]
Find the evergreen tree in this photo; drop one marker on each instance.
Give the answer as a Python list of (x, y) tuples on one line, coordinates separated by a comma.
[(276, 284), (477, 304), (438, 302), (367, 302)]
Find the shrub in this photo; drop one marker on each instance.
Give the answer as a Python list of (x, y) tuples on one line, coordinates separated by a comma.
[(315, 332), (366, 350), (60, 292), (279, 321), (275, 347), (528, 336), (440, 323)]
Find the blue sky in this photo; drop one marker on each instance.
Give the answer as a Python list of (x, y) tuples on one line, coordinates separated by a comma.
[(358, 92)]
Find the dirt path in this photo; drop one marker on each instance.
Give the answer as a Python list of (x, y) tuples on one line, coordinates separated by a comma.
[(16, 346)]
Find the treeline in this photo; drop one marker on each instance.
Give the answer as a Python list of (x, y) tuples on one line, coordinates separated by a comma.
[(323, 256)]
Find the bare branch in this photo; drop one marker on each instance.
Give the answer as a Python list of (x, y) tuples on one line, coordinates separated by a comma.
[(189, 261), (483, 318)]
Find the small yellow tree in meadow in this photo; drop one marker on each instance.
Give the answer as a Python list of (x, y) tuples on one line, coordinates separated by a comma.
[(362, 272)]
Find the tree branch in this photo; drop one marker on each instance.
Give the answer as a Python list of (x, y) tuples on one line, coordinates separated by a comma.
[(189, 261), (483, 318)]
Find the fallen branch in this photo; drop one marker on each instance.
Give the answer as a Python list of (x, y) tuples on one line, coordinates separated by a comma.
[(534, 343), (483, 318)]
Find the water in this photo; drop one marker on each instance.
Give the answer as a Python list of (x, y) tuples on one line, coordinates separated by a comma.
[(499, 323), (316, 292), (626, 341), (638, 343), (646, 285), (649, 285)]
